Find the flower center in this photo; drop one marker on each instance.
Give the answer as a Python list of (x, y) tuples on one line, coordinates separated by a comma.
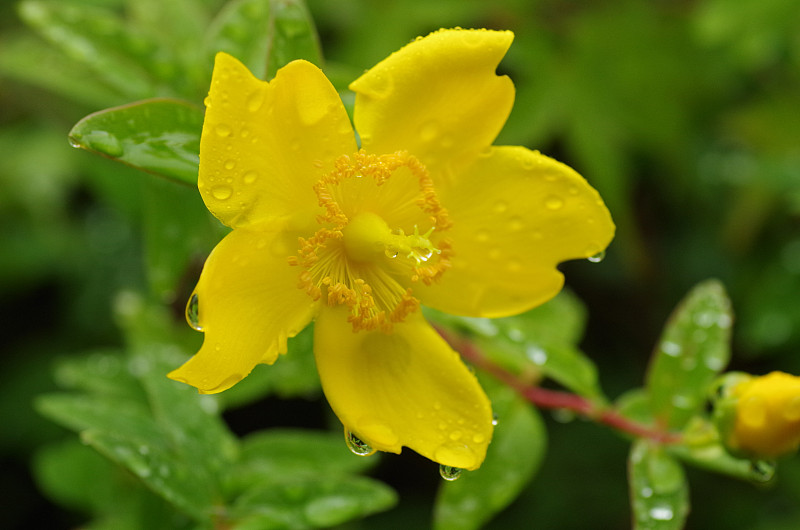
[(380, 234)]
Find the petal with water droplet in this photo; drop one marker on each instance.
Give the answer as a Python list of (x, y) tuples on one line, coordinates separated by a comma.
[(243, 325), (499, 269), (386, 387), (439, 97), (268, 143)]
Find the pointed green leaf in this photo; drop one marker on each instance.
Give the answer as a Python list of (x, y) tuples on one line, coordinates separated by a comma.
[(98, 39), (160, 136), (694, 348), (658, 488), (265, 34), (294, 36), (30, 60), (514, 456), (540, 342), (179, 234), (180, 482), (310, 500)]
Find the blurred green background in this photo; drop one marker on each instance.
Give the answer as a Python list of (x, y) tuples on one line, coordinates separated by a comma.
[(683, 114)]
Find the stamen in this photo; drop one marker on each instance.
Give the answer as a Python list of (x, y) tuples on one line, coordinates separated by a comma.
[(350, 260)]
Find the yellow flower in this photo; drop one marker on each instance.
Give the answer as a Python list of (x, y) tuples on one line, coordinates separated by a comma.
[(426, 211), (767, 415)]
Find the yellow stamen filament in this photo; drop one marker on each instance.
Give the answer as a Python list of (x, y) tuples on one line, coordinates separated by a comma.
[(350, 258)]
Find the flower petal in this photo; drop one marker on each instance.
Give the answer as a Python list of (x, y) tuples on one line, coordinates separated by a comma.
[(405, 388), (437, 98), (249, 304), (264, 145), (516, 214)]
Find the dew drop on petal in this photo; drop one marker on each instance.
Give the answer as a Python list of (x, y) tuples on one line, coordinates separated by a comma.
[(356, 445), (193, 312), (449, 472), (249, 177), (554, 202), (222, 193), (222, 130), (456, 453), (230, 164), (598, 257)]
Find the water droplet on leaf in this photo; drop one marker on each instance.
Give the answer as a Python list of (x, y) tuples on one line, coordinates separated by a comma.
[(449, 472), (356, 445), (661, 513), (104, 142)]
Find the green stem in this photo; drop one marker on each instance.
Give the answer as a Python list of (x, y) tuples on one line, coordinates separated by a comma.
[(553, 399)]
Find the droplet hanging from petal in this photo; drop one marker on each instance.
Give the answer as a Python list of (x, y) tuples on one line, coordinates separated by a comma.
[(193, 312), (449, 472), (356, 445)]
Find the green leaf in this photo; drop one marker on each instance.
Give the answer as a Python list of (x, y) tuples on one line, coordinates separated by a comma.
[(265, 35), (286, 452), (31, 60), (98, 39), (160, 136), (539, 342), (310, 500), (179, 234), (294, 36), (514, 456), (658, 488), (694, 348)]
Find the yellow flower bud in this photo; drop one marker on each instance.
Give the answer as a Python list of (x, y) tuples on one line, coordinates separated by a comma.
[(767, 415)]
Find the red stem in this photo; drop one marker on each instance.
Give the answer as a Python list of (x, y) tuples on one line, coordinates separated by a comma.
[(553, 399)]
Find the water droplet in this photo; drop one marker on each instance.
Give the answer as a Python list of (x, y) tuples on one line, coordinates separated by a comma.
[(356, 445), (230, 164), (449, 472), (515, 224), (222, 193), (222, 130), (249, 177), (479, 438), (104, 142), (673, 349), (554, 202), (193, 312), (500, 207), (536, 354), (647, 492), (495, 419), (390, 253), (255, 101), (661, 513), (456, 435), (598, 257)]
